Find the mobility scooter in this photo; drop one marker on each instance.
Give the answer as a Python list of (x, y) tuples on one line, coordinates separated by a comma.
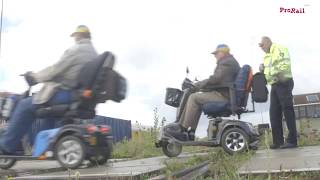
[(76, 140), (233, 135)]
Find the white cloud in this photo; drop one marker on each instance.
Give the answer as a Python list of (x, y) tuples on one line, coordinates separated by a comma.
[(155, 40)]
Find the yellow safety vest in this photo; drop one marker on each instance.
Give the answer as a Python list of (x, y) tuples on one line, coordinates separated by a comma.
[(277, 64)]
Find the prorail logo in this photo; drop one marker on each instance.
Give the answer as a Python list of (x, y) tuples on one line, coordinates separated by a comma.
[(292, 10)]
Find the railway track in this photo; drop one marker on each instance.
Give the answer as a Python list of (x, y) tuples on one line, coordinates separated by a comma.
[(188, 173)]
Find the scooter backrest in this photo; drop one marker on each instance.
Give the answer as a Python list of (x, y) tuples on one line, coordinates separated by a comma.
[(105, 83), (90, 71), (243, 85)]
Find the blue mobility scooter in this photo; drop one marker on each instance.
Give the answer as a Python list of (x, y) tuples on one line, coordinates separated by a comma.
[(76, 140), (233, 135)]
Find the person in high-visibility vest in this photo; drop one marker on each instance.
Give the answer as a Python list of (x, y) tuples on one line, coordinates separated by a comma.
[(277, 70)]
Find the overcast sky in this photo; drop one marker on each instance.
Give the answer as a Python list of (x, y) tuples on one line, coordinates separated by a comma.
[(155, 40)]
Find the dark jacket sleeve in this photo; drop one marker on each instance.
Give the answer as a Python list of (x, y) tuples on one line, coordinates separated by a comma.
[(222, 70)]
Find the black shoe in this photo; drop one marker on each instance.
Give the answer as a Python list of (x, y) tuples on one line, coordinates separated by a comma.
[(288, 146), (177, 131), (274, 146)]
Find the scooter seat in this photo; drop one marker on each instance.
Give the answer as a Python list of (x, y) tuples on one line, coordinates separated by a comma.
[(55, 111), (218, 108)]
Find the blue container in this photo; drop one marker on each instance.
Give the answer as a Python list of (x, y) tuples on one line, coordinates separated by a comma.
[(121, 129)]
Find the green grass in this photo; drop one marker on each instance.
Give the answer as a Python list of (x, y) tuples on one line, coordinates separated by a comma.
[(140, 147), (225, 166), (309, 132), (143, 146)]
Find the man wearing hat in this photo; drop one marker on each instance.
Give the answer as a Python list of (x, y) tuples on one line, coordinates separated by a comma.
[(225, 72), (58, 80)]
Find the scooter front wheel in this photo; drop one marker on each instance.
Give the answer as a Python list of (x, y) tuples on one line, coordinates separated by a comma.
[(7, 163), (172, 149)]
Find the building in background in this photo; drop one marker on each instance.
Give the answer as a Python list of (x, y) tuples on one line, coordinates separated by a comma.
[(307, 105)]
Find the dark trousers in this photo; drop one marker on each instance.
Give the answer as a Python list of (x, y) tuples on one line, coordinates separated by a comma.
[(282, 105)]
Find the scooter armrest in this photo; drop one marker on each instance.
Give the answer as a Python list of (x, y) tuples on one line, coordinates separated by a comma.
[(52, 111), (220, 86)]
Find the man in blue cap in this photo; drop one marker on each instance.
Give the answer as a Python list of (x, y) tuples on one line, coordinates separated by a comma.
[(225, 72)]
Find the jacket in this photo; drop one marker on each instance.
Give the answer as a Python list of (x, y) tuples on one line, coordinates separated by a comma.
[(277, 65), (225, 72), (63, 74)]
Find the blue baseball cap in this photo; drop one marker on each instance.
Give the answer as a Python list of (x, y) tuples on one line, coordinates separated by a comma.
[(222, 48)]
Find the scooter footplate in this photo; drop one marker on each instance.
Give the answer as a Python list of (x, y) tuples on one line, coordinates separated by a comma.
[(199, 143)]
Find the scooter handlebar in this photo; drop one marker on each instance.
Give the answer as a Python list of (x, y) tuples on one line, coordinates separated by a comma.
[(29, 79), (187, 83), (27, 92)]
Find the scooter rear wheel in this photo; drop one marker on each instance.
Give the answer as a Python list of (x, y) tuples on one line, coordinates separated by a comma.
[(7, 163), (70, 151), (172, 149)]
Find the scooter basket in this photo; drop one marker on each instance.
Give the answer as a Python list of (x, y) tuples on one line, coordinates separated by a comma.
[(173, 97)]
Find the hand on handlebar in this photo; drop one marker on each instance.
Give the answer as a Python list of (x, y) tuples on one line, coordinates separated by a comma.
[(201, 84), (187, 83), (194, 86), (29, 78)]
